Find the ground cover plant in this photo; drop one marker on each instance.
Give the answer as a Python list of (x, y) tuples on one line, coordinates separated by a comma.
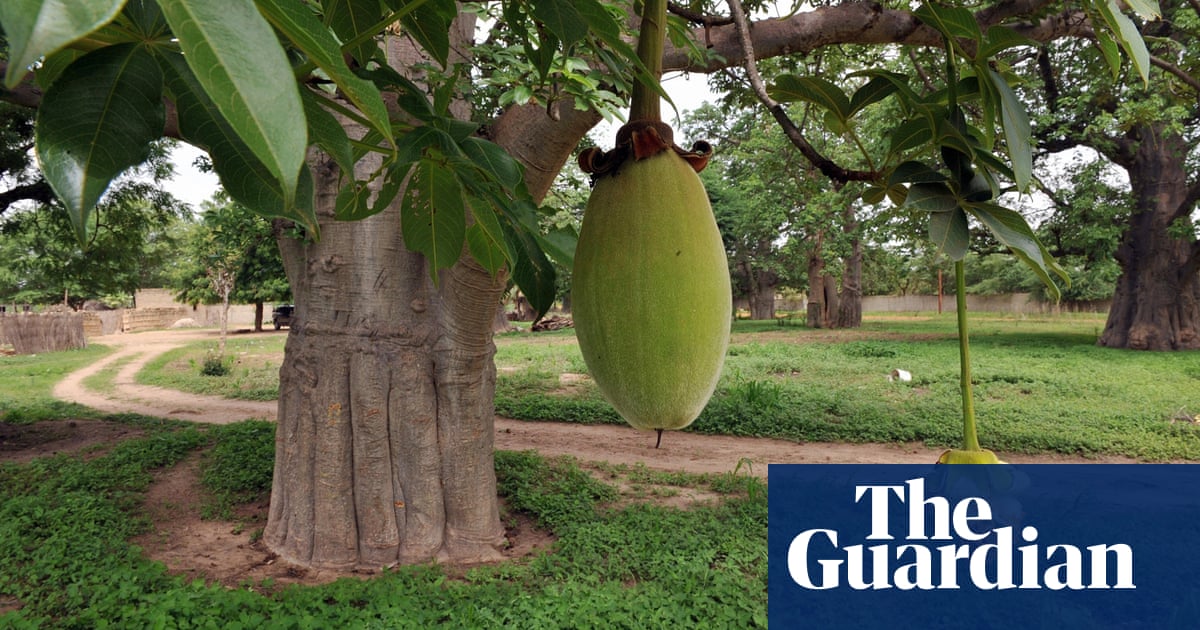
[(1042, 385), (65, 561)]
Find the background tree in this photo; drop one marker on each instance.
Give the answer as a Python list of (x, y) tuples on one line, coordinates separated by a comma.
[(385, 419), (1151, 130), (241, 241), (130, 239)]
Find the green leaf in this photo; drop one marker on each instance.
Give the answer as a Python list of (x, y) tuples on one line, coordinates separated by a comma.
[(561, 18), (1147, 9), (933, 197), (948, 231), (914, 172), (532, 271), (351, 18), (429, 23), (306, 32), (37, 28), (485, 238), (1001, 38), (560, 245), (414, 145), (1110, 50), (494, 161), (1017, 133), (821, 92), (244, 176), (235, 56), (1127, 35), (954, 22), (97, 120), (53, 66), (905, 96), (352, 202), (433, 215), (874, 194), (327, 132), (910, 134), (873, 91), (1011, 229)]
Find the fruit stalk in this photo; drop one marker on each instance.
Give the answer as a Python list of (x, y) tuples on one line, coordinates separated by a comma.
[(970, 437), (645, 103)]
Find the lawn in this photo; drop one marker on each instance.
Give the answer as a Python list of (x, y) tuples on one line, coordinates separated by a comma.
[(1042, 385)]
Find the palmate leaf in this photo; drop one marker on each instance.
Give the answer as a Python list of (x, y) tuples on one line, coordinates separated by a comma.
[(235, 56), (433, 215), (36, 28), (97, 120), (307, 33), (1017, 133), (428, 22), (327, 132), (485, 238), (1011, 229), (949, 232), (244, 177), (954, 22), (349, 19), (822, 92), (562, 18), (1127, 34)]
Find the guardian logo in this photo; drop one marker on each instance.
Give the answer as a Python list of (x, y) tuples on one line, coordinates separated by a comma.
[(920, 565), (954, 546)]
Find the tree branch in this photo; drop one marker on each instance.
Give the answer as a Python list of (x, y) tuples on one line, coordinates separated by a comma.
[(793, 132), (861, 22), (1171, 68), (38, 191)]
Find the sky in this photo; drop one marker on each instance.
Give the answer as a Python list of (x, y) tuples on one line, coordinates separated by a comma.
[(193, 186)]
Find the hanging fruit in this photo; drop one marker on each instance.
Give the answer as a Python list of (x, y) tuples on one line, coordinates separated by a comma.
[(650, 290)]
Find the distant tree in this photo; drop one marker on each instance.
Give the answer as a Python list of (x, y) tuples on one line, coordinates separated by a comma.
[(239, 247)]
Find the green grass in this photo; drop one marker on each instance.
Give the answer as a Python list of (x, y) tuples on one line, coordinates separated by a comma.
[(1042, 385), (253, 369), (64, 523), (26, 383)]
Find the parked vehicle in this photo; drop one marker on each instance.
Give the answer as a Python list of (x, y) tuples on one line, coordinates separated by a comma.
[(282, 315)]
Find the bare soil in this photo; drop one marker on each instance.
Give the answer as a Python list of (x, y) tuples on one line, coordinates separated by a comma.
[(231, 552)]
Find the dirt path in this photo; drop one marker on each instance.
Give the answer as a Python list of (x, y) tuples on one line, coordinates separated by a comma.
[(683, 451)]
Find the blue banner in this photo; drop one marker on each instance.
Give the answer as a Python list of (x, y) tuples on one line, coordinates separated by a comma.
[(974, 546)]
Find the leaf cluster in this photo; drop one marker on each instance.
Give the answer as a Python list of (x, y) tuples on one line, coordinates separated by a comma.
[(256, 83)]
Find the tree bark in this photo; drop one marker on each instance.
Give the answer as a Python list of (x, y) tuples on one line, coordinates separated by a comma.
[(258, 316), (760, 290), (816, 286), (849, 314), (385, 434), (1156, 305)]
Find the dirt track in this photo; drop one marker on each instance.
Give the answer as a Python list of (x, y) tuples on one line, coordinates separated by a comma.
[(616, 444)]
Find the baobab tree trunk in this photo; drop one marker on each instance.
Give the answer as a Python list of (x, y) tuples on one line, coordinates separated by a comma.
[(1157, 301), (760, 290), (385, 433), (849, 313)]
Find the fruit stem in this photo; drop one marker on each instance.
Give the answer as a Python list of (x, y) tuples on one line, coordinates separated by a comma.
[(659, 440), (645, 102), (970, 437)]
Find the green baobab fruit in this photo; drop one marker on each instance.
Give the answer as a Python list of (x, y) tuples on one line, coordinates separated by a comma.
[(973, 456), (650, 289)]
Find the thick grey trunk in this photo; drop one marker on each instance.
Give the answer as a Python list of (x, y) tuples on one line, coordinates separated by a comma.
[(384, 445), (1156, 305), (385, 435)]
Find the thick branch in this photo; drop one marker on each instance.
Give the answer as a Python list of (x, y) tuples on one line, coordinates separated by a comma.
[(855, 23), (38, 191)]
